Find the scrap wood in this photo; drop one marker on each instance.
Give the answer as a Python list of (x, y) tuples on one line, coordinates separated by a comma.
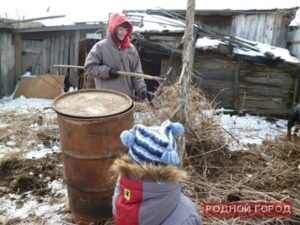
[(46, 86)]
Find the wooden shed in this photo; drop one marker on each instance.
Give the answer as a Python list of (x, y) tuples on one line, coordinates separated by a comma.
[(256, 84), (259, 85), (42, 47), (241, 83), (247, 84), (268, 26), (7, 67)]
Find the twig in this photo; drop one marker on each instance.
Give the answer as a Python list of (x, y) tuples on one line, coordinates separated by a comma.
[(67, 223), (205, 153), (230, 135)]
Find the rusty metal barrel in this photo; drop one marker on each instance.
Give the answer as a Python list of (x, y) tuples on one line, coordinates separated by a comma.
[(90, 123)]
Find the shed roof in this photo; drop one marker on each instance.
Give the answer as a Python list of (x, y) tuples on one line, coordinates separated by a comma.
[(249, 49), (241, 48), (216, 12), (144, 22), (81, 26)]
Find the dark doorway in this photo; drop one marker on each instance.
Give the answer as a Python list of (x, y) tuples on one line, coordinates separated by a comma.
[(151, 65)]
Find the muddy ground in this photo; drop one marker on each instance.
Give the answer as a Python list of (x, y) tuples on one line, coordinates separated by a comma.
[(269, 171)]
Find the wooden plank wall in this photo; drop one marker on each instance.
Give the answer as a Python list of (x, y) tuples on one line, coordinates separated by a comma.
[(269, 28), (60, 50), (43, 50), (7, 63), (218, 23), (265, 90), (174, 62), (40, 50), (31, 54), (215, 76), (244, 86)]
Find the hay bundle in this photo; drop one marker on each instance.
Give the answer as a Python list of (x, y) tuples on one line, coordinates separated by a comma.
[(269, 173), (204, 136), (86, 81)]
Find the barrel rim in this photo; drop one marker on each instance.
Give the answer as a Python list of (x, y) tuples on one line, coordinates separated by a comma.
[(58, 98)]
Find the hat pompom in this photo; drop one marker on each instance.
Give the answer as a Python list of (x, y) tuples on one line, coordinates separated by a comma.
[(127, 138), (170, 158), (177, 129)]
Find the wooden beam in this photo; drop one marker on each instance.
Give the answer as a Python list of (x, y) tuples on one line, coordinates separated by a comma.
[(99, 26), (296, 94), (236, 86), (187, 69), (34, 19), (18, 54), (162, 38), (160, 48), (74, 79)]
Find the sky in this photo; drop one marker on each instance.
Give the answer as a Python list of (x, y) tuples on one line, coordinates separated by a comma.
[(92, 10)]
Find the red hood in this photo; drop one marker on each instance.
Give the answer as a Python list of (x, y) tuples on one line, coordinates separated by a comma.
[(115, 20)]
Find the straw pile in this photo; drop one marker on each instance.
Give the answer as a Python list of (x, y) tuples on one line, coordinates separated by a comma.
[(270, 172)]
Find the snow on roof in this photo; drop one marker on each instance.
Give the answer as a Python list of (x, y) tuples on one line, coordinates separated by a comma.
[(207, 43), (144, 22), (296, 20), (263, 50)]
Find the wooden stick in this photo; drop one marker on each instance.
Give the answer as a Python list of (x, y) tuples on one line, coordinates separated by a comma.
[(140, 75), (69, 66), (187, 69), (132, 74)]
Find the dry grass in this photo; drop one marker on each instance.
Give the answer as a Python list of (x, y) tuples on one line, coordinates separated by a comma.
[(266, 173), (86, 82), (269, 172), (26, 127)]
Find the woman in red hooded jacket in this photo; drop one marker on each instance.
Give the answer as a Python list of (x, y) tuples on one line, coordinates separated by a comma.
[(116, 53)]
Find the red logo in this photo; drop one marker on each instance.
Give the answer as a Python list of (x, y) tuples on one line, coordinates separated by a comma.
[(257, 209)]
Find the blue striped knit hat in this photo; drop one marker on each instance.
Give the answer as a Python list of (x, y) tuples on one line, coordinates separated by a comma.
[(156, 144)]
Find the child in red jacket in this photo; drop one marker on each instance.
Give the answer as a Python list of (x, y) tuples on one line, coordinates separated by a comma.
[(148, 191)]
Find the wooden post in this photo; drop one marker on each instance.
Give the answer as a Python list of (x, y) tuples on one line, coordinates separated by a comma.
[(187, 69), (74, 77), (18, 55), (296, 94), (236, 85)]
